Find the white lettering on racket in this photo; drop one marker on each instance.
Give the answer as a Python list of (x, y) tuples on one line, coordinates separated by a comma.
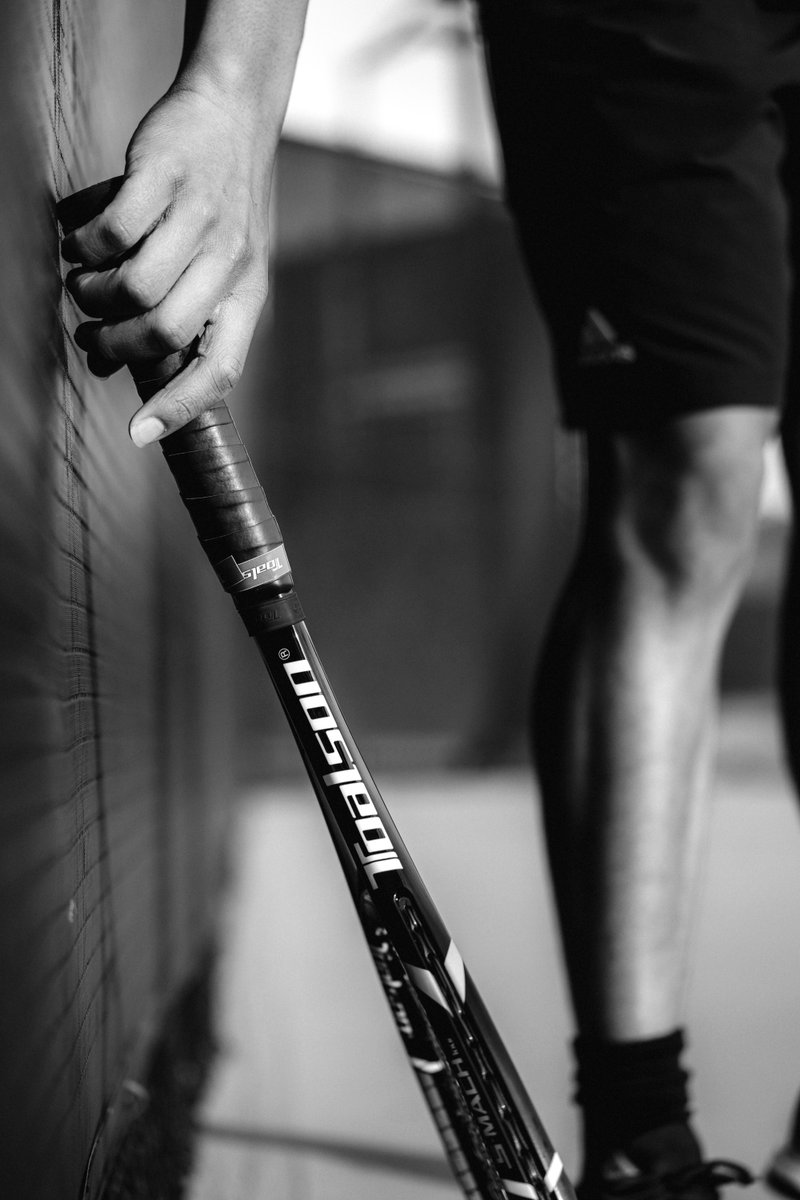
[(376, 851), (473, 1099)]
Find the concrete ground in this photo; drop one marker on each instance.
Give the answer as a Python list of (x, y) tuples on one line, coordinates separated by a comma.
[(311, 1097)]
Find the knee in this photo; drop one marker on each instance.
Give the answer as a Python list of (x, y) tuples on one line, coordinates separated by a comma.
[(680, 507)]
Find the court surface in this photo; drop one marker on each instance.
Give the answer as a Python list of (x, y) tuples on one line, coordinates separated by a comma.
[(311, 1097)]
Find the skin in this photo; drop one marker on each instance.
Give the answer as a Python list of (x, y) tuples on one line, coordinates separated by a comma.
[(181, 252), (625, 706)]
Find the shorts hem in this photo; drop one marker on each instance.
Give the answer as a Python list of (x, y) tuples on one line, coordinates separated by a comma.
[(622, 397)]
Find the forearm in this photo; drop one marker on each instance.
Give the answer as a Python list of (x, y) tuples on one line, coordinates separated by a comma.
[(244, 50)]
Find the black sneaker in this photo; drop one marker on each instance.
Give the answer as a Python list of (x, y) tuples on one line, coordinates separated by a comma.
[(663, 1165), (783, 1173)]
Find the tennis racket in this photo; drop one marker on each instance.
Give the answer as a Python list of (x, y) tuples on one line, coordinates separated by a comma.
[(493, 1138)]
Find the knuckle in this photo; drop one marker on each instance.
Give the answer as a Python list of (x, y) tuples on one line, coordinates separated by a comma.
[(137, 291), (205, 210), (116, 233), (171, 334), (239, 249), (225, 374), (184, 410)]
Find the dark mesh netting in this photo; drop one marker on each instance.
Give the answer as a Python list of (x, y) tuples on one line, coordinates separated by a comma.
[(115, 714)]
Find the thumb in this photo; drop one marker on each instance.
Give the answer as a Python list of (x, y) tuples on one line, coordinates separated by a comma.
[(207, 378)]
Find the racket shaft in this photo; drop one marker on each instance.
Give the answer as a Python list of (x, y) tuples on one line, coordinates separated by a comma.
[(464, 1149), (377, 864)]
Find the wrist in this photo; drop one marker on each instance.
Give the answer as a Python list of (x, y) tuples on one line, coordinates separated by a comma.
[(245, 62), (226, 86)]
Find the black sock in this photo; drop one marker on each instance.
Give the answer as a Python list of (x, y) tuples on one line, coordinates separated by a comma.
[(794, 1136), (629, 1089)]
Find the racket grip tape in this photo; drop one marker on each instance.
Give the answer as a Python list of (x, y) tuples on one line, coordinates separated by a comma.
[(215, 476)]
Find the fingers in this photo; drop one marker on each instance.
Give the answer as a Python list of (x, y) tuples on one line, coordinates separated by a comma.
[(141, 280), (169, 326), (208, 377), (136, 209), (101, 367), (138, 283)]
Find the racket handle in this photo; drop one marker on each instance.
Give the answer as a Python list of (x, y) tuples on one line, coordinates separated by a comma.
[(215, 477)]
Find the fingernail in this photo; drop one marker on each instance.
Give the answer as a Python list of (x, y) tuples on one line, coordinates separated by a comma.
[(147, 430)]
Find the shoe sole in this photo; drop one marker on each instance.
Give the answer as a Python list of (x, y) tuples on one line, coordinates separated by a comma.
[(783, 1175)]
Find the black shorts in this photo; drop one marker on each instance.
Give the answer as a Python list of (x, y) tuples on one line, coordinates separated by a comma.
[(652, 153)]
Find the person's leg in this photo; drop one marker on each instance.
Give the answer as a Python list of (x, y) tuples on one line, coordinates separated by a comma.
[(789, 656), (624, 712), (789, 652), (783, 1172), (643, 168)]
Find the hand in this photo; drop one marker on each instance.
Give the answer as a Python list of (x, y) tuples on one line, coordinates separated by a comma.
[(179, 256)]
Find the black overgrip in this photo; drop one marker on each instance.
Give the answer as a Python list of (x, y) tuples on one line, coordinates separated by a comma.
[(215, 477), (233, 520)]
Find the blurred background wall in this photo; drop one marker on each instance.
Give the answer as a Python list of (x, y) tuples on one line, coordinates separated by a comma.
[(408, 435)]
